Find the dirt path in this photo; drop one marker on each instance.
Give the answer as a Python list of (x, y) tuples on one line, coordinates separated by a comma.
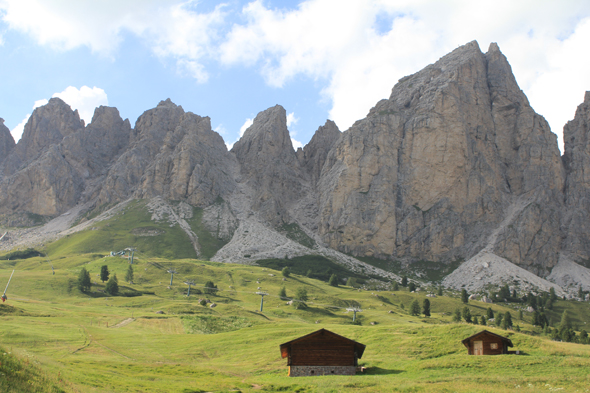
[(123, 323)]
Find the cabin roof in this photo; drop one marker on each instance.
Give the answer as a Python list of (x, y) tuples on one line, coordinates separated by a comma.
[(359, 348), (505, 339)]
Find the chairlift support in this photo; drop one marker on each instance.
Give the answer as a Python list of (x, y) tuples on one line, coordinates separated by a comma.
[(189, 283), (354, 310), (172, 273), (262, 295), (4, 298)]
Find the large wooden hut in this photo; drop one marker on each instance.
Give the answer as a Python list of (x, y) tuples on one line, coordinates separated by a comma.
[(322, 353), (487, 343)]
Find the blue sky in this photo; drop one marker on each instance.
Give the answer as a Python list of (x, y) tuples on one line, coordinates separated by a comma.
[(320, 59)]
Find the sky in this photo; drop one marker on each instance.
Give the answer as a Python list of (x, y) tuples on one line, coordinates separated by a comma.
[(319, 59)]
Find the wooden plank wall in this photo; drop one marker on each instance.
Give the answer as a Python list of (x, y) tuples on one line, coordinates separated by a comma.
[(487, 341), (322, 351)]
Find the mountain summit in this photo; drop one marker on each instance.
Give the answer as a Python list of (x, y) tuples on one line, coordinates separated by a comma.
[(455, 164)]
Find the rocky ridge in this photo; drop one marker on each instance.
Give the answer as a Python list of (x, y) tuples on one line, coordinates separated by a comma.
[(454, 165)]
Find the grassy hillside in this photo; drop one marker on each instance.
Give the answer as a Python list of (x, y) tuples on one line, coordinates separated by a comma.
[(99, 343)]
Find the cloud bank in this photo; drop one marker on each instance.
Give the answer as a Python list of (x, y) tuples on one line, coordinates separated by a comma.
[(356, 50)]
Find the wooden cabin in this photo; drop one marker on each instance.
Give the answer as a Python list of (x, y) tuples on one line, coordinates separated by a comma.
[(487, 343), (322, 353)]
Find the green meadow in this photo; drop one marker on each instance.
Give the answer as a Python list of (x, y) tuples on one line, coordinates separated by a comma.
[(152, 337)]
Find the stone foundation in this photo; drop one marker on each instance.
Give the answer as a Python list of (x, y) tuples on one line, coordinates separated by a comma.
[(310, 371)]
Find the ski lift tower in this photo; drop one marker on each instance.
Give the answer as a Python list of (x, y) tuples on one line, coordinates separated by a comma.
[(354, 310), (4, 298), (132, 251), (189, 283), (262, 295), (172, 273)]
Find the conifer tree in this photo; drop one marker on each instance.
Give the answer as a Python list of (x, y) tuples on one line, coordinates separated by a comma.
[(286, 271), (84, 282), (464, 296), (440, 291), (404, 281), (112, 287), (490, 313), (466, 314), (283, 293), (426, 308), (411, 287), (415, 308), (333, 280), (104, 273), (457, 315), (129, 274), (395, 286)]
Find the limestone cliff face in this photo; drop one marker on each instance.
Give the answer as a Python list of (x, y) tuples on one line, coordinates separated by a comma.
[(173, 154), (269, 165), (47, 126), (576, 217), (313, 156), (66, 172), (428, 173), (6, 141)]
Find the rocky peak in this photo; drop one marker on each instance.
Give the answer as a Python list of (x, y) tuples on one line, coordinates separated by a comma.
[(269, 164), (47, 126), (156, 123), (6, 141), (313, 155)]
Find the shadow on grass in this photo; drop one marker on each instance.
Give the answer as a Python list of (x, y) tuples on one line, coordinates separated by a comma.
[(380, 371)]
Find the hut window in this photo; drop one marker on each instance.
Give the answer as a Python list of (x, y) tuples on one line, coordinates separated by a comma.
[(312, 372), (332, 371), (494, 346)]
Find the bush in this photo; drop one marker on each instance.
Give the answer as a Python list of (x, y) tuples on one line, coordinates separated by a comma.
[(210, 288)]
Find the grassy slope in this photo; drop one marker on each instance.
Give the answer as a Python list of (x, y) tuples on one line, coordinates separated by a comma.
[(66, 332), (71, 343)]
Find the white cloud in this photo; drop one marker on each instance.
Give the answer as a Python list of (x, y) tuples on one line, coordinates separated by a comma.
[(296, 144), (291, 119), (172, 28), (245, 126), (85, 100), (363, 47), (220, 129)]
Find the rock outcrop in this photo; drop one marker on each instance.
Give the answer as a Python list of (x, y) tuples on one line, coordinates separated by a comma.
[(6, 141), (576, 158), (313, 156), (270, 166), (428, 173)]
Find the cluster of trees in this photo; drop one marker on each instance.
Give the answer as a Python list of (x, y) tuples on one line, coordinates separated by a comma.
[(112, 286), (501, 320), (565, 331), (415, 308), (298, 300)]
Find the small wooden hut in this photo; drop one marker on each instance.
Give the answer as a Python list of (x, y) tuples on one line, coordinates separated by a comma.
[(487, 343), (322, 353)]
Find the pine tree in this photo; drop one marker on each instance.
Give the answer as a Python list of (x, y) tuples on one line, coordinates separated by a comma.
[(466, 314), (457, 315), (300, 298), (581, 293), (507, 320), (440, 291), (566, 322), (129, 274), (404, 281), (395, 286), (520, 316), (286, 271), (353, 283), (112, 287), (490, 313), (498, 319), (104, 273), (464, 296), (84, 282), (283, 293), (483, 321), (333, 280), (411, 287), (552, 294), (415, 308), (426, 307)]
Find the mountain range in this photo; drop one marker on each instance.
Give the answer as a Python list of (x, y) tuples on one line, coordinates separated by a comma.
[(455, 168)]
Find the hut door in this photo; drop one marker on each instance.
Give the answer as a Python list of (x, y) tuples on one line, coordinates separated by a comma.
[(478, 347)]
